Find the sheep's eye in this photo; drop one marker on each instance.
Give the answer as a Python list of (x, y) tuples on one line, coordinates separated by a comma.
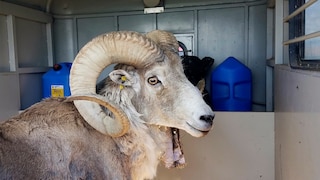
[(153, 80)]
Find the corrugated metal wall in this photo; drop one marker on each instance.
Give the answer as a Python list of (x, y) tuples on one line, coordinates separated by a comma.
[(219, 31), (212, 28), (24, 56)]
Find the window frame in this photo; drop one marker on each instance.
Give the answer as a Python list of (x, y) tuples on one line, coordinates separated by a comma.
[(297, 36)]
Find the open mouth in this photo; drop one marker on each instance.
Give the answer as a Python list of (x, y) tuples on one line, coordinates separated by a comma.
[(178, 156), (174, 157)]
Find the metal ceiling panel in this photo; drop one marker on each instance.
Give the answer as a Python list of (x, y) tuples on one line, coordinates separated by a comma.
[(72, 7)]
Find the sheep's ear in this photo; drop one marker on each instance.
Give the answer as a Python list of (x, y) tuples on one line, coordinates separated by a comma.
[(201, 85), (122, 77)]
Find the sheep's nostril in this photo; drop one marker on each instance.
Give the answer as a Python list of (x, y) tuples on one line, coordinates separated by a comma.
[(207, 118)]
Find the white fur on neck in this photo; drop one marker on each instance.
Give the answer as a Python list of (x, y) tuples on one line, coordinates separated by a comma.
[(143, 144)]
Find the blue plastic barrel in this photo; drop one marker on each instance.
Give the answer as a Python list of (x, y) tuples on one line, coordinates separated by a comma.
[(231, 86), (55, 82)]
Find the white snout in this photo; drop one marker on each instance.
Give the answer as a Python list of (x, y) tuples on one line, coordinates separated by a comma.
[(199, 116)]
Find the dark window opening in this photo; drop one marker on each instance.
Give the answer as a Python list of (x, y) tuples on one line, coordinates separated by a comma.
[(304, 54)]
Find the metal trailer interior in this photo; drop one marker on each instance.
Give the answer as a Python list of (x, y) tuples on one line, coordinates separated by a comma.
[(279, 139)]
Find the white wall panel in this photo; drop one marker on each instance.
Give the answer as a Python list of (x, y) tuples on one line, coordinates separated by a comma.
[(240, 147), (297, 123)]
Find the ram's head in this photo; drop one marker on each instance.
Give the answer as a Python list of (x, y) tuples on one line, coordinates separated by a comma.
[(151, 68)]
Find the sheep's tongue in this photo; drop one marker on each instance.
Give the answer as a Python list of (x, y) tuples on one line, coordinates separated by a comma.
[(178, 156), (174, 157)]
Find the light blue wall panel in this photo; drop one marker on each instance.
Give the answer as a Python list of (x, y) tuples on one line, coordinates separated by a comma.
[(221, 33), (257, 53), (238, 32), (141, 23), (218, 31), (89, 28), (64, 42), (31, 43), (176, 21), (4, 51), (30, 89), (103, 6), (9, 95)]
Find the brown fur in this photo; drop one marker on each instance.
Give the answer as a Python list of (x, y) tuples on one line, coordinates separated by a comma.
[(72, 150), (50, 140)]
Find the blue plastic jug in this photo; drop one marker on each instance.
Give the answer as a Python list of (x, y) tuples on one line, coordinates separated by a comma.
[(231, 86), (55, 82)]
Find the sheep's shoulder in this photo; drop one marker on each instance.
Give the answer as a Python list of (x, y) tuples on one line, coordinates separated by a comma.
[(49, 113), (51, 139)]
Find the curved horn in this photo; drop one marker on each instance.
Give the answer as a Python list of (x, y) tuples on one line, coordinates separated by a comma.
[(117, 47), (165, 39), (117, 112)]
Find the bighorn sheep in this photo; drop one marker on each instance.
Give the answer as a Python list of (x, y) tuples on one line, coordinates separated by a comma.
[(121, 132)]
